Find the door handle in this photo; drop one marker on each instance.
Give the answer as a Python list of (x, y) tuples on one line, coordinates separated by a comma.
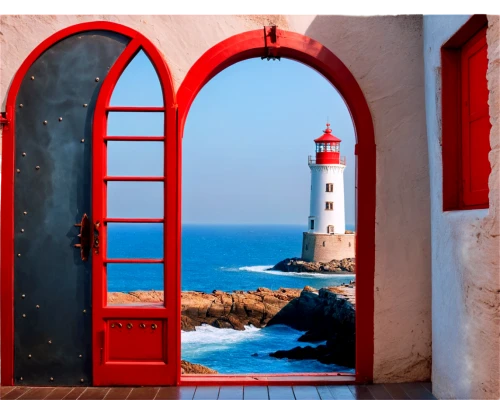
[(84, 235)]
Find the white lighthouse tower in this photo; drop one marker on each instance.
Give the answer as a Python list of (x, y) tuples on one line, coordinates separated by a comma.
[(326, 237)]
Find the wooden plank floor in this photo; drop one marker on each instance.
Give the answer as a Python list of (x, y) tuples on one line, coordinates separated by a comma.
[(416, 391)]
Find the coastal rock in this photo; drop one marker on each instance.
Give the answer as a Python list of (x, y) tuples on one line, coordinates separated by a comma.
[(233, 310), (190, 368), (344, 266), (327, 316)]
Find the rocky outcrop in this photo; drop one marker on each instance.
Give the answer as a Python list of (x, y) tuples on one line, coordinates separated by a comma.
[(345, 266), (220, 309), (328, 315), (190, 368), (233, 310)]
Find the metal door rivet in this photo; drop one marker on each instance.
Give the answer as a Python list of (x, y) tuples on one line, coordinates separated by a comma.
[(29, 355), (24, 154), (21, 378), (85, 105), (18, 170), (51, 379), (49, 342), (84, 311), (21, 105), (23, 296), (45, 122), (32, 78), (19, 254), (80, 356), (60, 119), (97, 79), (112, 325), (119, 325), (83, 140), (37, 306), (81, 380), (129, 326), (142, 326), (25, 212), (153, 326), (22, 230), (37, 167), (24, 315)]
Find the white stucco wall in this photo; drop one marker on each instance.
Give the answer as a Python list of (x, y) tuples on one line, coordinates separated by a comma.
[(320, 176), (465, 249), (385, 56)]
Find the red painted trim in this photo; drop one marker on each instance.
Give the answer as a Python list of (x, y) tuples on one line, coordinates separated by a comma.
[(134, 220), (134, 109), (451, 105), (134, 138), (266, 380), (133, 178), (133, 261), (306, 50)]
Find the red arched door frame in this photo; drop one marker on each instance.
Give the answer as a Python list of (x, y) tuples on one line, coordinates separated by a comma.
[(275, 42), (171, 214)]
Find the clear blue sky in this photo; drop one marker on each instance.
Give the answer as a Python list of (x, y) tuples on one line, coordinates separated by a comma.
[(245, 147)]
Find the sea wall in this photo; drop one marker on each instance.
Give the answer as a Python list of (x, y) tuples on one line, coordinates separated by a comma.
[(325, 248), (384, 53), (465, 244)]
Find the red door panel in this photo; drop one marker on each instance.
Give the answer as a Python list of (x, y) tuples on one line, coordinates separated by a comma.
[(135, 344)]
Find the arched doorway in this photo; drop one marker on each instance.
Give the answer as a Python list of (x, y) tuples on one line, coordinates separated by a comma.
[(110, 363), (273, 42)]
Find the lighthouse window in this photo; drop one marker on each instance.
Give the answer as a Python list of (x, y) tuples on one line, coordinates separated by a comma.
[(312, 224), (329, 187), (330, 229), (329, 205)]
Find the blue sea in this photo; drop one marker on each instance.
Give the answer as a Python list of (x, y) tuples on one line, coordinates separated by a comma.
[(223, 257)]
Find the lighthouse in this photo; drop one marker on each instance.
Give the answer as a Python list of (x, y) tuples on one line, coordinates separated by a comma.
[(326, 237)]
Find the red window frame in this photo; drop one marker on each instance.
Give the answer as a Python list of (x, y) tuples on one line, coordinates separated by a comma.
[(457, 155)]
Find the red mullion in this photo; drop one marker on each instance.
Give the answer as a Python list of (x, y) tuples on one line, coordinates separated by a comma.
[(133, 178), (134, 220), (134, 138), (133, 261), (134, 109), (151, 311)]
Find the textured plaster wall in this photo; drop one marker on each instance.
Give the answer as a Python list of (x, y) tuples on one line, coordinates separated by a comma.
[(325, 248), (385, 56), (465, 245)]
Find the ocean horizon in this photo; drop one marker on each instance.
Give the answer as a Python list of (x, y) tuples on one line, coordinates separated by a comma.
[(227, 258)]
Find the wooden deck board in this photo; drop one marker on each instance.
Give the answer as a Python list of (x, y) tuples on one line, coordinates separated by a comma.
[(403, 391)]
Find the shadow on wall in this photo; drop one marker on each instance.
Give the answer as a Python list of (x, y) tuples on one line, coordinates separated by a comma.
[(385, 55)]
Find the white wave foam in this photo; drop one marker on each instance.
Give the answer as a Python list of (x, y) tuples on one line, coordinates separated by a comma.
[(267, 270), (207, 335)]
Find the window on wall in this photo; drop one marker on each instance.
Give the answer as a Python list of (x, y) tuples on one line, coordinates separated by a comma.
[(329, 229), (466, 124), (329, 187), (329, 205), (311, 224)]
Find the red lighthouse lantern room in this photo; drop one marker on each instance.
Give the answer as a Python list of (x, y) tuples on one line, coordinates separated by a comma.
[(328, 148)]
